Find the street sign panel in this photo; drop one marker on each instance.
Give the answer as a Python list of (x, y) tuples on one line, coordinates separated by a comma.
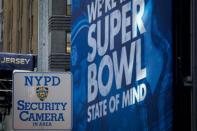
[(42, 101), (12, 61)]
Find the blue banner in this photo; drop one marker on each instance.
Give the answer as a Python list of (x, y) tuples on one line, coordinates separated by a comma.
[(10, 61), (122, 65)]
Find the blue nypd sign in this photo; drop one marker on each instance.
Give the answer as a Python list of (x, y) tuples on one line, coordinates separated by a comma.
[(42, 101), (122, 64)]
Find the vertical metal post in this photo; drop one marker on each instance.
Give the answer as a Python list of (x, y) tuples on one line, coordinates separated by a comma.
[(1, 25), (194, 63), (43, 35)]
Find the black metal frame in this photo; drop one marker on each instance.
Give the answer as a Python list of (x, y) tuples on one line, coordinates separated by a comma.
[(182, 65), (194, 63)]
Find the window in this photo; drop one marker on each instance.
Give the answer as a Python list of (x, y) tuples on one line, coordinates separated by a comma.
[(68, 42), (68, 7)]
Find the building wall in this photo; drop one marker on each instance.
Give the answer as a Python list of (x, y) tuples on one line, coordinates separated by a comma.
[(20, 34), (20, 24), (59, 26)]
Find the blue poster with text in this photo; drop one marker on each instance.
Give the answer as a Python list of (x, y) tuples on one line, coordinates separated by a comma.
[(122, 65)]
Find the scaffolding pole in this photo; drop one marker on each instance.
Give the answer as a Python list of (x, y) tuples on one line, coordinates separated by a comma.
[(43, 36)]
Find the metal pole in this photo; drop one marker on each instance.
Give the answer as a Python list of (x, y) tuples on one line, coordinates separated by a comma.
[(43, 35), (194, 63)]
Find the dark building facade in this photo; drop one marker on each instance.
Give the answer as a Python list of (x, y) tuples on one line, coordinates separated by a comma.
[(185, 64), (59, 35)]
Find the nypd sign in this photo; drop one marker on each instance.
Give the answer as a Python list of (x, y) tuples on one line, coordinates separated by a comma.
[(42, 101)]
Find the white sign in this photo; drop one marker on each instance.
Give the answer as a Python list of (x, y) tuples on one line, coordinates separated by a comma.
[(42, 101)]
